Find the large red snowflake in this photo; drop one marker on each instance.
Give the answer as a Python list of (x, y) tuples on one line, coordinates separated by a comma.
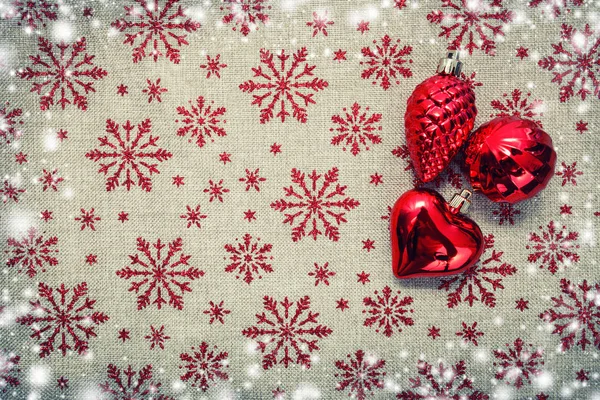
[(157, 28), (132, 385), (577, 62), (387, 313), (202, 121), (284, 84), (442, 382), (518, 105), (32, 253), (71, 319), (9, 124), (158, 277), (62, 74), (204, 365), (288, 332), (553, 248), (356, 129), (249, 258), (246, 13), (128, 153), (477, 22), (361, 375), (518, 363), (9, 370), (489, 271), (576, 316), (386, 62), (31, 12), (313, 205)]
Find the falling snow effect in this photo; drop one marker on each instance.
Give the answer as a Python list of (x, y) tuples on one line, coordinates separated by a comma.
[(33, 253), (245, 15), (10, 121), (518, 363), (8, 191), (360, 375), (31, 13), (129, 385), (9, 370)]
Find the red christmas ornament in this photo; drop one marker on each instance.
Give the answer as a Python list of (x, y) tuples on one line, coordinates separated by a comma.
[(510, 159), (429, 236), (440, 113)]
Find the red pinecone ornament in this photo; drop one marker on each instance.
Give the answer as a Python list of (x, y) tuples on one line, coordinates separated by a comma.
[(439, 116)]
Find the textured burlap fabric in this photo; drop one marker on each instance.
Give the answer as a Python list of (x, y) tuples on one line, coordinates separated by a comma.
[(200, 215)]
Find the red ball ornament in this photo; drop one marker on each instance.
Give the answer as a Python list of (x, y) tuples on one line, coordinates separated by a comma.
[(430, 237), (439, 116), (510, 159)]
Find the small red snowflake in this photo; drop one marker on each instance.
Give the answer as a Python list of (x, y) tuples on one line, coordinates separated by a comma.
[(376, 179), (215, 190), (342, 304), (62, 134), (569, 173), (203, 366), (469, 333), (252, 180), (553, 248), (65, 318), (64, 71), (91, 259), (322, 274), (160, 273), (541, 396), (522, 52), (278, 394), (363, 277), (9, 126), (522, 304), (88, 12), (62, 383), (213, 66), (399, 4), (368, 245), (122, 90), (554, 7), (315, 204), (363, 26), (32, 253), (201, 121), (519, 363), (581, 127), (387, 312), (582, 375), (386, 62), (355, 129), (339, 55), (88, 219), (131, 154), (9, 370), (154, 90), (46, 215), (433, 332), (285, 332), (516, 105), (216, 312), (468, 19), (49, 180), (225, 157), (319, 23), (123, 216), (361, 374), (31, 13), (506, 212), (193, 216), (249, 258), (124, 335), (246, 14), (157, 337), (178, 180), (284, 83), (8, 191), (157, 27), (250, 215), (20, 158), (138, 386)]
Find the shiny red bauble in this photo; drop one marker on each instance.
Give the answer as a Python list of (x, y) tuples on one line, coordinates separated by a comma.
[(429, 236), (510, 159)]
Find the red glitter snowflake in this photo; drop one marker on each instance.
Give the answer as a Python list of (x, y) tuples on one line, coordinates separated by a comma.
[(154, 90), (157, 337), (32, 253), (387, 312), (31, 12), (202, 121), (316, 205), (249, 258), (131, 154), (252, 179), (319, 23), (9, 124), (132, 385), (469, 333), (470, 18), (193, 216), (569, 173), (156, 27), (518, 106), (216, 312), (581, 63), (9, 370), (216, 190), (246, 14), (204, 365), (69, 318), (8, 191), (153, 275), (322, 274), (518, 363), (581, 127), (70, 71), (576, 316), (399, 4), (442, 382), (286, 331), (213, 66), (553, 247), (506, 212), (284, 83), (386, 62), (554, 7), (356, 129), (88, 219), (489, 270), (361, 375), (50, 179)]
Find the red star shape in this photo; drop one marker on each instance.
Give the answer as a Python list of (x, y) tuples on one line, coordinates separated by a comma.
[(541, 396), (342, 304), (21, 158), (581, 127), (582, 375), (522, 304), (376, 179), (275, 148), (250, 215), (122, 90), (62, 134), (565, 209), (339, 55), (46, 215), (433, 332), (63, 383), (225, 157), (123, 216), (178, 180), (124, 335), (91, 259), (88, 12), (522, 52), (363, 26), (368, 245), (363, 277)]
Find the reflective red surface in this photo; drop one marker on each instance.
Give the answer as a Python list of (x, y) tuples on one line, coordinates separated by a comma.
[(429, 238), (510, 159), (440, 114)]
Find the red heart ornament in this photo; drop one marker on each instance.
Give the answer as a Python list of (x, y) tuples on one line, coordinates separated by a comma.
[(429, 236)]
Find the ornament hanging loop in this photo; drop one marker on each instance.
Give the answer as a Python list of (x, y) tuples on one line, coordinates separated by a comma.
[(460, 203), (450, 64)]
